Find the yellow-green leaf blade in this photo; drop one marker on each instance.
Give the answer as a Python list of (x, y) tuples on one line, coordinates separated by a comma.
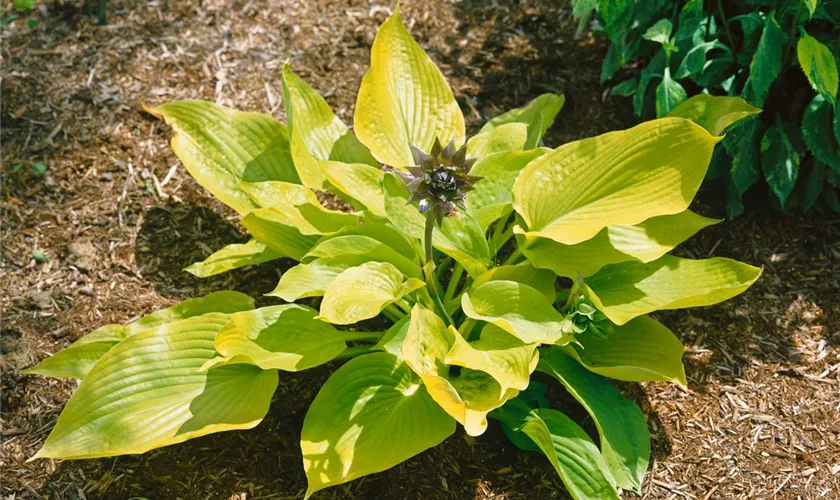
[(518, 309), (819, 65), (619, 178), (623, 431), (299, 206), (538, 115), (498, 354), (643, 242), (630, 289), (232, 257), (286, 337), (220, 146), (504, 138), (148, 392), (359, 182), (467, 397), (362, 292), (714, 113), (540, 279), (78, 359), (366, 248), (275, 230), (372, 414), (492, 197), (569, 449), (404, 99), (640, 350)]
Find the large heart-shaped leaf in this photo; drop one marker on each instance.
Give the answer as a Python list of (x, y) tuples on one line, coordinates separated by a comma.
[(595, 183), (518, 309), (538, 115), (148, 392), (498, 354), (285, 337), (624, 291), (233, 257), (714, 113), (569, 449), (372, 414), (460, 236), (312, 279), (623, 431), (469, 396), (643, 242), (492, 197), (299, 206), (317, 135), (78, 359), (640, 350), (220, 146), (362, 292), (404, 99)]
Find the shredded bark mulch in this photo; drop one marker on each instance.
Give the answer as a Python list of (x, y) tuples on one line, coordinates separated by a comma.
[(99, 221)]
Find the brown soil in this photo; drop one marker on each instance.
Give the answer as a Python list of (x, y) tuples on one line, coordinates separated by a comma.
[(761, 417)]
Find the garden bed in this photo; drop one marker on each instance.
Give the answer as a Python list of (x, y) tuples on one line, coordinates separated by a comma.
[(102, 236)]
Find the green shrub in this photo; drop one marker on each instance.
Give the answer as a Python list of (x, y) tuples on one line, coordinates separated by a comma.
[(496, 219), (777, 55)]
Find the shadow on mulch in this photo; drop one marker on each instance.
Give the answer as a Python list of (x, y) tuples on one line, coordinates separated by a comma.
[(529, 49), (175, 235)]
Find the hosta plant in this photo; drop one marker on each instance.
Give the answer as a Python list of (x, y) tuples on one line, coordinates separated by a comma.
[(779, 55), (463, 250)]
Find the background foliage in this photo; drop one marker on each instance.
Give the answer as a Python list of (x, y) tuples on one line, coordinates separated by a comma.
[(779, 55)]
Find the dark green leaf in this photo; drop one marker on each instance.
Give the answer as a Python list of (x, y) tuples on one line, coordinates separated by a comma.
[(691, 16), (652, 71), (779, 161), (817, 119), (695, 60), (626, 88), (813, 186), (751, 25), (669, 94), (767, 61), (625, 441)]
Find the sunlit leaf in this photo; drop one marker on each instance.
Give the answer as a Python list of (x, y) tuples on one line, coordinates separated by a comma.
[(538, 115), (492, 197), (498, 354), (362, 292), (220, 146), (643, 242), (819, 65), (469, 396), (77, 360), (276, 231), (299, 206), (504, 138), (630, 289), (148, 392), (317, 135), (591, 184), (517, 309), (714, 113), (404, 99), (368, 249), (233, 257), (541, 280), (640, 350), (372, 414), (286, 337), (360, 182)]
